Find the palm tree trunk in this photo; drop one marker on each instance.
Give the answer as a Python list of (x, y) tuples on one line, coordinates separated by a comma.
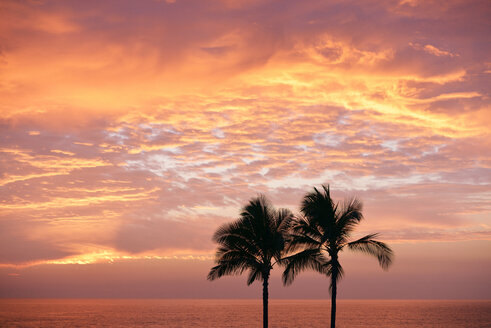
[(333, 302), (334, 288), (265, 300)]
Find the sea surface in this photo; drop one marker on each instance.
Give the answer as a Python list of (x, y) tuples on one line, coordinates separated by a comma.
[(55, 313)]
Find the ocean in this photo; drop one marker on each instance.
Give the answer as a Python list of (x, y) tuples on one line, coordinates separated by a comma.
[(214, 313)]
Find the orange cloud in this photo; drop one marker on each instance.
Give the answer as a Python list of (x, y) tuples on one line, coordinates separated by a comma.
[(124, 129)]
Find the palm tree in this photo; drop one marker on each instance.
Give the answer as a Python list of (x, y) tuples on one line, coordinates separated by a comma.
[(322, 233), (252, 243)]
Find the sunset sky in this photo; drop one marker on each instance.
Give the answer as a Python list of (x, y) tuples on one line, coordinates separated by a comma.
[(130, 130)]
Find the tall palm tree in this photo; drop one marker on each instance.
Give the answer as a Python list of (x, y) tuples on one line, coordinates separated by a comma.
[(322, 233), (254, 242)]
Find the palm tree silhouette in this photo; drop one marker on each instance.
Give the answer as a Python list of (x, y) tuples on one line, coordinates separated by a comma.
[(322, 233), (252, 243)]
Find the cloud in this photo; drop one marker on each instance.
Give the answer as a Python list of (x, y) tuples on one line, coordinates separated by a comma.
[(166, 236), (137, 129), (18, 247)]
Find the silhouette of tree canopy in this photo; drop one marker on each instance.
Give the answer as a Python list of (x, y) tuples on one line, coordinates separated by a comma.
[(255, 243), (322, 233)]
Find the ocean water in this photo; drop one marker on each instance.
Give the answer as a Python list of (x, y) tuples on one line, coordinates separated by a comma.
[(240, 313)]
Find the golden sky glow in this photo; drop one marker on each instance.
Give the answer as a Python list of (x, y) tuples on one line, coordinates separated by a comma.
[(131, 129)]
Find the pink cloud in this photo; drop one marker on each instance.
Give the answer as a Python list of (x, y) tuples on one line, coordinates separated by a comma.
[(139, 128)]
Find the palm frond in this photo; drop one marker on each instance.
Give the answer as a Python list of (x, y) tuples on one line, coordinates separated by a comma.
[(251, 241), (320, 210), (225, 254), (232, 266), (349, 216), (305, 227), (283, 219), (306, 259), (254, 274), (236, 229), (301, 241), (322, 233), (370, 246), (238, 242)]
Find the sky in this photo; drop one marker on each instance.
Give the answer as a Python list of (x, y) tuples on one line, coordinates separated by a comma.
[(130, 130)]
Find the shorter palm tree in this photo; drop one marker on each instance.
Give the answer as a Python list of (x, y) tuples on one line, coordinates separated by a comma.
[(322, 233), (254, 242)]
